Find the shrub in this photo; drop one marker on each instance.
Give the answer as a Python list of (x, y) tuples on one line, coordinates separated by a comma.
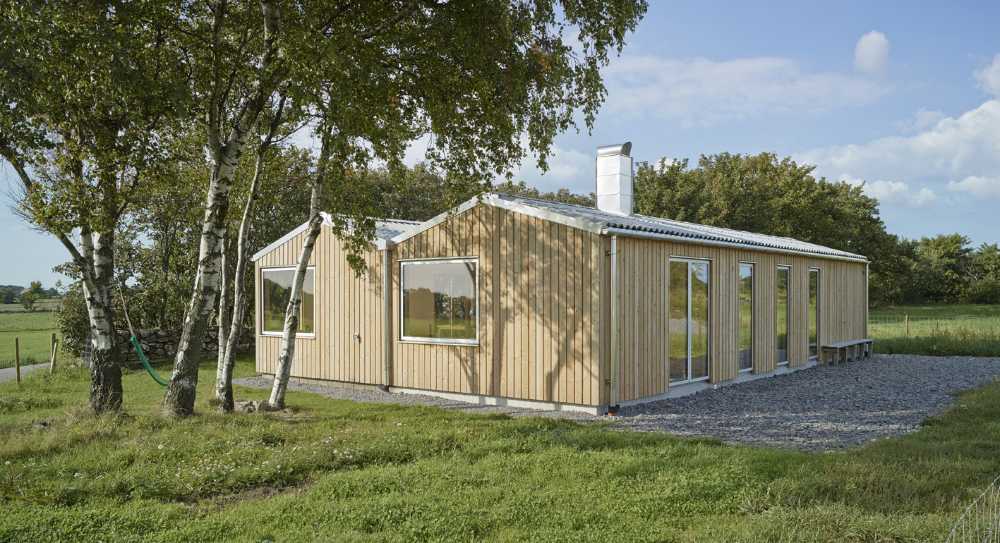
[(984, 291), (74, 324)]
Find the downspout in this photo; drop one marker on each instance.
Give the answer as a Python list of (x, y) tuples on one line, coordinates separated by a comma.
[(386, 318), (614, 400), (866, 299)]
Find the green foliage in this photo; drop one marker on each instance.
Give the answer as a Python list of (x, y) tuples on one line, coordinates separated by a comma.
[(346, 471), (520, 188), (73, 322), (31, 295)]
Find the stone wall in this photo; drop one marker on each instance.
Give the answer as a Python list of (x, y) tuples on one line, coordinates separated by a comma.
[(162, 344)]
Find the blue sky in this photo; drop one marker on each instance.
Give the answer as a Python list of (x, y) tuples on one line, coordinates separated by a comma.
[(900, 95)]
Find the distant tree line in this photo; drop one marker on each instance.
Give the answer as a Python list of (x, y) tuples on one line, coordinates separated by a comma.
[(26, 296)]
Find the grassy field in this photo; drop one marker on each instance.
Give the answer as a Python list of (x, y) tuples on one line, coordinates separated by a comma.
[(972, 330), (35, 331), (336, 470)]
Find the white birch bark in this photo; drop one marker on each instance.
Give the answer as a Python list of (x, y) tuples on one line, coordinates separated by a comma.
[(286, 352), (105, 367), (181, 391), (227, 349)]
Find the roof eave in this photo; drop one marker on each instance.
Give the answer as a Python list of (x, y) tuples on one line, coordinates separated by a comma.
[(628, 232)]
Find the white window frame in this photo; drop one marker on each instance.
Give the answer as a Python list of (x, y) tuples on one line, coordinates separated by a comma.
[(299, 334), (711, 293), (753, 314), (402, 316), (788, 315), (819, 310)]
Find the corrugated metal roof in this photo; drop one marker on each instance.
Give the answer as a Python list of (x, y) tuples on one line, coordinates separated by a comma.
[(591, 217), (385, 230), (389, 228)]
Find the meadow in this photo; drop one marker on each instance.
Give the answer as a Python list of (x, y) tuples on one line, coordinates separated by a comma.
[(34, 329), (944, 330), (337, 470)]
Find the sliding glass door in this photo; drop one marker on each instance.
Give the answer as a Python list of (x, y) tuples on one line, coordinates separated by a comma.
[(745, 330), (814, 322), (688, 328), (781, 319)]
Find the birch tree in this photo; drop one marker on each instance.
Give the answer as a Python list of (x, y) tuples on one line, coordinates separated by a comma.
[(493, 81), (229, 335), (85, 93), (233, 98)]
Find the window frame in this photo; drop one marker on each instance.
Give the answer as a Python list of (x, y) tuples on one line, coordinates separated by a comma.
[(403, 338), (753, 314), (788, 316), (819, 309), (298, 334), (688, 260)]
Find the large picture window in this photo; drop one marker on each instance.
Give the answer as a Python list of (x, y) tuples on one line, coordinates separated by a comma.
[(440, 303), (276, 290)]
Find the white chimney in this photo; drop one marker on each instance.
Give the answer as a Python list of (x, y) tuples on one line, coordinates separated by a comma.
[(614, 178)]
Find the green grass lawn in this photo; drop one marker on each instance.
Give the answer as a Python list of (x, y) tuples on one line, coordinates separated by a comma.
[(35, 331), (336, 470), (972, 330)]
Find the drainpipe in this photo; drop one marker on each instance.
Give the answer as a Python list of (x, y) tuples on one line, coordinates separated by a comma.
[(386, 318), (614, 400), (866, 299)]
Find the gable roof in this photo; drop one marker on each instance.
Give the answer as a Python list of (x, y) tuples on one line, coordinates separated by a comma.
[(385, 230), (602, 222)]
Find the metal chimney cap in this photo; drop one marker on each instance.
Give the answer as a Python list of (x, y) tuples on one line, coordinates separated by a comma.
[(618, 149)]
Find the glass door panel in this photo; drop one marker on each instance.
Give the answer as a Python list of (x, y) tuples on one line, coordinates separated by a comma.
[(813, 312), (781, 317), (689, 320), (699, 319), (678, 326), (745, 333)]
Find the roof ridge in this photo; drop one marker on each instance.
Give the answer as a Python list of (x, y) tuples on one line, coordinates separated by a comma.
[(639, 222)]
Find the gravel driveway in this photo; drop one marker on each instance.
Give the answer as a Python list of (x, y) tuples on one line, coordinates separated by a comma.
[(821, 408)]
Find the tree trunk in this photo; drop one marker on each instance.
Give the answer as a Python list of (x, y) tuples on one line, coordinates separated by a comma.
[(222, 317), (181, 391), (227, 348), (286, 354), (105, 366), (227, 352)]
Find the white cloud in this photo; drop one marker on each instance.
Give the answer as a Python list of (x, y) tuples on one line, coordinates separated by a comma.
[(989, 77), (871, 53), (567, 168), (894, 192), (979, 186), (954, 148), (921, 120), (700, 91)]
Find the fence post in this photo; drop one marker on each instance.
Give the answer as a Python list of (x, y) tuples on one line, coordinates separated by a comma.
[(17, 359), (906, 317), (52, 356)]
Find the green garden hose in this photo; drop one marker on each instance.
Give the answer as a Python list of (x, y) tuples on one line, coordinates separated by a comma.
[(145, 363), (138, 348)]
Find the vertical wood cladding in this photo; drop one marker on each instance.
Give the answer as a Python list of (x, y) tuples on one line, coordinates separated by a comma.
[(545, 304)]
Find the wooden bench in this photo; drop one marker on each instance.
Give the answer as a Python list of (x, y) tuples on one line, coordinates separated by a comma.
[(847, 350)]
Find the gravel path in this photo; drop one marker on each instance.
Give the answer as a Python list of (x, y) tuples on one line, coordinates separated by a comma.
[(10, 374), (821, 408)]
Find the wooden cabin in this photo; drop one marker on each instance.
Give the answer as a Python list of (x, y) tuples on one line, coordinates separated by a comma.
[(515, 301)]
